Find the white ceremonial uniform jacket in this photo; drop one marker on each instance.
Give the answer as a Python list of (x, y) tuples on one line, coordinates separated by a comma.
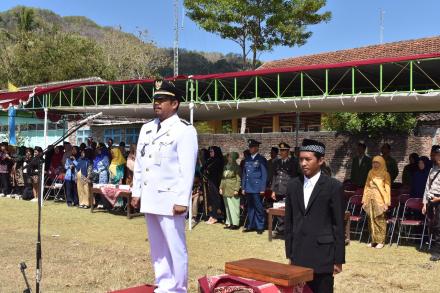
[(165, 165)]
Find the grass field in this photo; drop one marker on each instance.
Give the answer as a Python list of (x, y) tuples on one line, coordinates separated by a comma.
[(84, 252)]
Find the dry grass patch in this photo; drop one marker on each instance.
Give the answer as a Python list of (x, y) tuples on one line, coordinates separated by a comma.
[(84, 252)]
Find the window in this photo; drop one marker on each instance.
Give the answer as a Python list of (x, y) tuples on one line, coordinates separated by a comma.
[(286, 128), (82, 135), (266, 129), (114, 134), (131, 136), (314, 127)]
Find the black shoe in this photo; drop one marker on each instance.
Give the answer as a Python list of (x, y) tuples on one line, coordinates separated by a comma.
[(434, 258), (246, 230), (234, 227), (259, 232), (227, 227)]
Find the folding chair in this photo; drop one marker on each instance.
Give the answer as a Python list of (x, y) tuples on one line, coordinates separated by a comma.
[(55, 188), (358, 215), (398, 203), (393, 220), (415, 205)]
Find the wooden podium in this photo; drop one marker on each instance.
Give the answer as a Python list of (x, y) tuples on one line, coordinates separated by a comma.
[(268, 271)]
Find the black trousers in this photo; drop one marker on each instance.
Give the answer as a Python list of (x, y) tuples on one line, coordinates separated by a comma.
[(322, 283), (4, 183), (434, 225)]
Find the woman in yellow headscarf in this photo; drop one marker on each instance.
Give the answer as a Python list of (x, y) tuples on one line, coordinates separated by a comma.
[(376, 200), (117, 166)]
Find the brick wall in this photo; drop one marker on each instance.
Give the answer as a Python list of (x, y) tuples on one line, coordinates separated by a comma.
[(340, 148)]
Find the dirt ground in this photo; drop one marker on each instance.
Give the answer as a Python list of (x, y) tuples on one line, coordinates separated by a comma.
[(99, 252)]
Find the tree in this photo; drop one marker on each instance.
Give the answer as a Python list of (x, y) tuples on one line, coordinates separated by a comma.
[(25, 20), (132, 57), (54, 56), (258, 25), (372, 124)]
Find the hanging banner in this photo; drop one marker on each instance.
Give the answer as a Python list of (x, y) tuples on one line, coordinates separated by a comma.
[(11, 125)]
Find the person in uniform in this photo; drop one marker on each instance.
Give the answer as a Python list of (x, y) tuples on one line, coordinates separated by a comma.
[(314, 222), (164, 169), (431, 203), (253, 186), (284, 169), (271, 164)]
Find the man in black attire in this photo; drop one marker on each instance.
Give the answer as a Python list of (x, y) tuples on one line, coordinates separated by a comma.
[(314, 222), (284, 169)]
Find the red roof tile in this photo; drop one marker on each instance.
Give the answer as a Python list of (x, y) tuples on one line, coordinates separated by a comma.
[(389, 50)]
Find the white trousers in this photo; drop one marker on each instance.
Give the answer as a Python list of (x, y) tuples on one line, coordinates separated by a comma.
[(166, 235)]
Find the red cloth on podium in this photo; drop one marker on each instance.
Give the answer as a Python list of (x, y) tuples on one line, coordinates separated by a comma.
[(228, 284), (112, 194)]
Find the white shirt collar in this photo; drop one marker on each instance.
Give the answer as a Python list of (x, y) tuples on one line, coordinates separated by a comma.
[(313, 179), (254, 155), (167, 122)]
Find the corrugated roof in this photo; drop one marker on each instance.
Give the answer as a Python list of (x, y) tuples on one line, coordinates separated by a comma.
[(390, 50), (428, 117)]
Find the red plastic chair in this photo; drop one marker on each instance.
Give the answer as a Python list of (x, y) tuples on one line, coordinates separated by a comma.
[(415, 205), (357, 216)]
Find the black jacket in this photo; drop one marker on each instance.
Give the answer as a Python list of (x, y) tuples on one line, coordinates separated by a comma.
[(315, 236), (282, 173)]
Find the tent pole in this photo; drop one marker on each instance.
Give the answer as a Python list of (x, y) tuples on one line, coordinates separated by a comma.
[(297, 128), (40, 204), (191, 120), (45, 147)]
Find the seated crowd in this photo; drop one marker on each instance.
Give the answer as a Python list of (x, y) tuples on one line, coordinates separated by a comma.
[(77, 167)]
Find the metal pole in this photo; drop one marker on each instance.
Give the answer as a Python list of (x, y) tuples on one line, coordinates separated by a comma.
[(297, 128), (40, 204), (45, 147), (191, 120)]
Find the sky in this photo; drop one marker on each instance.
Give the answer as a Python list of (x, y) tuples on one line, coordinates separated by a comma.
[(354, 23)]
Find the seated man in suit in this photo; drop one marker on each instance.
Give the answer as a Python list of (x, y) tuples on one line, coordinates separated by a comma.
[(314, 222)]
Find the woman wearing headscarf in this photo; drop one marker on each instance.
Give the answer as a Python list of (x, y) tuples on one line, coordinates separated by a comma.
[(419, 177), (229, 188), (212, 175), (70, 183), (376, 200), (55, 162), (84, 178), (67, 153), (27, 174), (130, 164), (101, 164), (37, 160), (117, 166), (17, 170)]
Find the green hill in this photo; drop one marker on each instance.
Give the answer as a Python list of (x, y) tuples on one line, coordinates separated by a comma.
[(27, 33)]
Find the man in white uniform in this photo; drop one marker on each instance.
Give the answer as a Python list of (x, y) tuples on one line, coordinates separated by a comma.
[(163, 178)]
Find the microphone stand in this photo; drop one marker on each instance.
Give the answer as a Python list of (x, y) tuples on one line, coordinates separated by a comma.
[(40, 195), (23, 268)]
